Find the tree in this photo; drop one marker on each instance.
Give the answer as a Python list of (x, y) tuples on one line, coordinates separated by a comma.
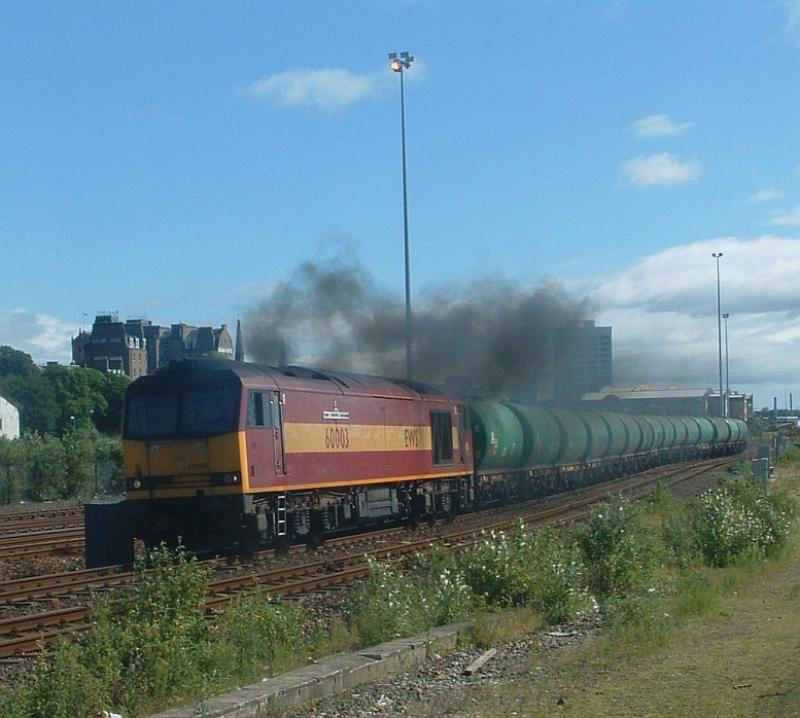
[(61, 398), (110, 421), (33, 395), (79, 394), (15, 362)]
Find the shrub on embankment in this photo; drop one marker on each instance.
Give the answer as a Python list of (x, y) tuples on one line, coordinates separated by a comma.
[(156, 647), (76, 465)]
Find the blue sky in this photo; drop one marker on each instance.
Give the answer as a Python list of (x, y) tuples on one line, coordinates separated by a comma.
[(175, 160)]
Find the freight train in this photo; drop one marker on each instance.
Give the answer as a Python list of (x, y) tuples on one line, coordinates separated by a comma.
[(226, 455)]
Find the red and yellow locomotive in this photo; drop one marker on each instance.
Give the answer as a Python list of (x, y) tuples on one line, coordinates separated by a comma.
[(221, 453)]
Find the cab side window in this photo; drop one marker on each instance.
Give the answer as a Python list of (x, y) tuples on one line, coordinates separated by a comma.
[(257, 409), (442, 437)]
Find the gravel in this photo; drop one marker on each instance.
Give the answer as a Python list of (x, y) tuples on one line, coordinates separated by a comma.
[(420, 692)]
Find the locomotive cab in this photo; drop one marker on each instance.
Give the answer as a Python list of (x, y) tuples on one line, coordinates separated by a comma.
[(183, 455)]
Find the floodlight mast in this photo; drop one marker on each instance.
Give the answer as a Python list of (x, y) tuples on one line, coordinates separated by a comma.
[(399, 64), (725, 317), (723, 409)]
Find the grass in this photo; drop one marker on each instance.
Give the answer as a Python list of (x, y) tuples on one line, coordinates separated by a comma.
[(493, 628)]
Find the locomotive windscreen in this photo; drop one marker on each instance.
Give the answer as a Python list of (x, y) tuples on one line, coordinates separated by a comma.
[(161, 407), (197, 413)]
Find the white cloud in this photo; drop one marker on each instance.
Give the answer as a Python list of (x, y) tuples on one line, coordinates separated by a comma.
[(765, 194), (329, 88), (43, 336), (663, 312), (659, 169), (792, 8), (790, 218), (659, 126)]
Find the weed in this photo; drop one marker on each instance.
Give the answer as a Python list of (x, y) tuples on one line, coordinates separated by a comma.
[(619, 551), (526, 567), (738, 519)]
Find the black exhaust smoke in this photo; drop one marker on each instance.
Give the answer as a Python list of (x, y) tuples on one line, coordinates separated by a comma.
[(492, 337)]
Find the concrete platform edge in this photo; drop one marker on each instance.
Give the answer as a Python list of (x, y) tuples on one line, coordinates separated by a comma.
[(325, 676)]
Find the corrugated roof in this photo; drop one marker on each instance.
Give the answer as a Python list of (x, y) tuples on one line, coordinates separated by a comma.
[(649, 394)]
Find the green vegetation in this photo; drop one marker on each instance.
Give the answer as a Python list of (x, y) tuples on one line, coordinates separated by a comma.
[(78, 464), (619, 549), (59, 398), (526, 567), (646, 566), (739, 519), (156, 646), (70, 419), (392, 604)]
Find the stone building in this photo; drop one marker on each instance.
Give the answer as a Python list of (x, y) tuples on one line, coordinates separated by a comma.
[(137, 346), (111, 348)]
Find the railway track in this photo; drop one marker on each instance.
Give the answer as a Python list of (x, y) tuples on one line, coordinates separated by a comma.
[(38, 515), (37, 532), (344, 559)]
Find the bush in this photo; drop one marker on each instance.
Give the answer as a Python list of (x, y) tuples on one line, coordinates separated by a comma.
[(738, 519), (448, 596), (150, 648), (255, 631), (526, 567), (680, 540), (389, 605), (619, 552), (60, 685), (44, 467)]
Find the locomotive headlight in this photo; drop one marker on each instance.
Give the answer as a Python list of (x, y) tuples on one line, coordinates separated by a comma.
[(225, 479), (136, 484)]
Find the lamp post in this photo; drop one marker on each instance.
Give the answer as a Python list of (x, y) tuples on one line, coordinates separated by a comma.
[(727, 372), (716, 256), (400, 64)]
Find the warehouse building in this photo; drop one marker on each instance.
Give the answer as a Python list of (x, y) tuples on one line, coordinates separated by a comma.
[(669, 401)]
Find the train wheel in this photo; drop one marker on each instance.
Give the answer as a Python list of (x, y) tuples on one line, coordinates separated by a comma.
[(316, 537)]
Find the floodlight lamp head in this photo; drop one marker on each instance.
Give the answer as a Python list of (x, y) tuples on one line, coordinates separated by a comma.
[(401, 63)]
